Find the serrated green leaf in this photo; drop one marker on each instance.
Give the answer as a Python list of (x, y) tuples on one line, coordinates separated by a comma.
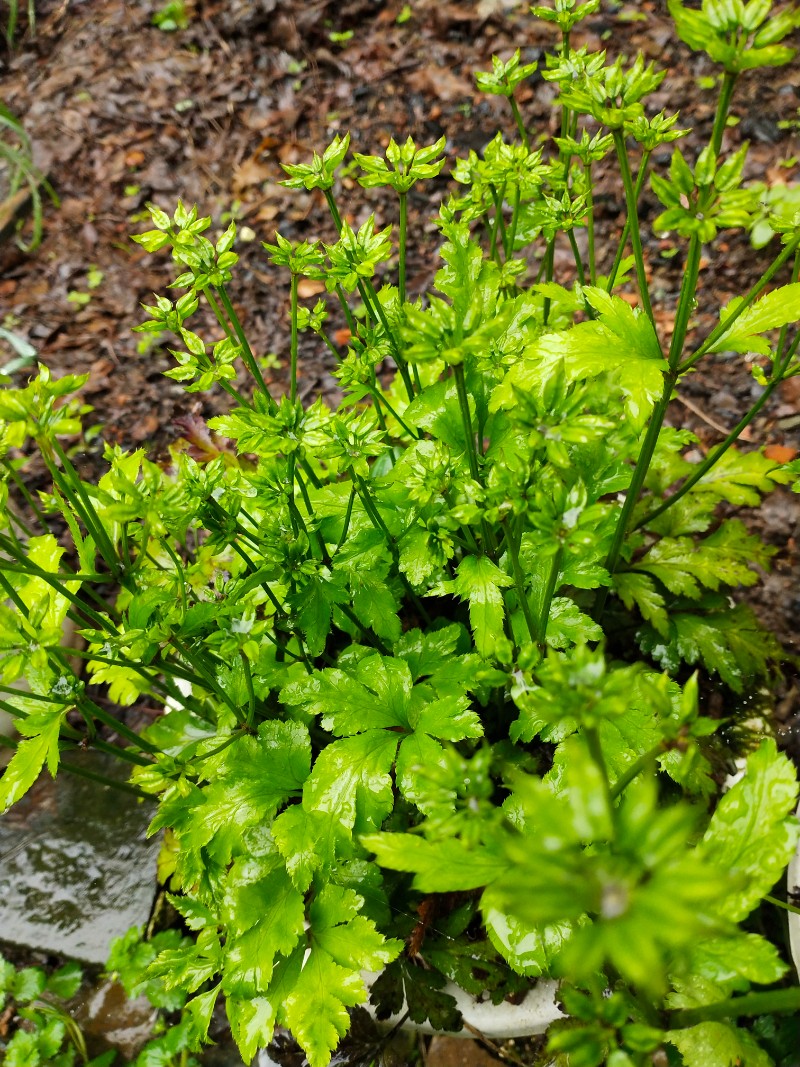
[(567, 625), (753, 834), (683, 564), (40, 748), (352, 780), (316, 1009), (739, 477), (252, 1023), (776, 309), (265, 916), (479, 581), (639, 590), (718, 1044), (440, 866)]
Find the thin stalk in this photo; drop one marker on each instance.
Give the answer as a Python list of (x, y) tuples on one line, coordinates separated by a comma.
[(623, 240), (633, 220), (107, 719), (547, 263), (512, 229), (685, 301), (95, 776), (403, 236), (590, 226), (782, 904), (723, 107), (251, 693), (635, 769), (722, 328), (549, 592), (247, 352), (635, 488), (293, 343), (379, 398), (498, 207), (523, 133), (347, 515), (711, 459), (519, 583), (466, 420), (577, 256), (209, 682), (769, 1002), (592, 735)]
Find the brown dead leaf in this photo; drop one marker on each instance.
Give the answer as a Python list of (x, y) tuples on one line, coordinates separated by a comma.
[(440, 83), (250, 172), (780, 453), (308, 287), (342, 337), (134, 157)]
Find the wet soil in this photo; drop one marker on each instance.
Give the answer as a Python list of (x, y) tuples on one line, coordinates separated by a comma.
[(121, 112)]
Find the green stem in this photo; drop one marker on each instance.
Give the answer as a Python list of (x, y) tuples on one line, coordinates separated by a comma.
[(641, 764), (631, 201), (347, 515), (590, 226), (512, 229), (711, 459), (549, 259), (293, 343), (635, 488), (94, 776), (466, 419), (247, 352), (251, 694), (523, 133), (685, 301), (379, 399), (592, 735), (768, 1002), (577, 256), (623, 240), (519, 582), (782, 904), (401, 275), (549, 592), (722, 328), (723, 106)]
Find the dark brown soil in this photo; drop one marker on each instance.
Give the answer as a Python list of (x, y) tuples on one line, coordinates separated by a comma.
[(122, 113)]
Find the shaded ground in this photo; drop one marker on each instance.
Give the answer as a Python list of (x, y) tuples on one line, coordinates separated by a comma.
[(122, 112)]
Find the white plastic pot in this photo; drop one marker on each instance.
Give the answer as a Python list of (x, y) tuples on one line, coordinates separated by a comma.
[(534, 1015)]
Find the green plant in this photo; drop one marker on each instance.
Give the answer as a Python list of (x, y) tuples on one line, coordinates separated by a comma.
[(42, 1032), (420, 635), (13, 20), (174, 15), (17, 169)]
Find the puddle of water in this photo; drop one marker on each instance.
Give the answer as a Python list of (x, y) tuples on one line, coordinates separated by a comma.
[(76, 869)]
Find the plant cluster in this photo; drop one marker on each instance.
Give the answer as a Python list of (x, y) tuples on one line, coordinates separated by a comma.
[(427, 656), (18, 171)]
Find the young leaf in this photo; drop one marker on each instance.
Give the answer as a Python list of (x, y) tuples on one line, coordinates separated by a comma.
[(480, 582), (776, 309), (718, 1044)]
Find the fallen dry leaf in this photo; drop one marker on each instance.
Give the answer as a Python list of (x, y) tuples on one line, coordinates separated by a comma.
[(780, 453), (308, 287)]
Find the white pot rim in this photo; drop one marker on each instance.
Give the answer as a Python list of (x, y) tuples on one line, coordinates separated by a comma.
[(535, 1014)]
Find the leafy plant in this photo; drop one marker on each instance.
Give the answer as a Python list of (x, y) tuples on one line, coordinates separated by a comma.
[(42, 1030), (12, 20), (17, 169), (426, 657)]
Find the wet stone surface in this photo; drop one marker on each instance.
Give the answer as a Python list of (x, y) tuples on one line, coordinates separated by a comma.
[(76, 869)]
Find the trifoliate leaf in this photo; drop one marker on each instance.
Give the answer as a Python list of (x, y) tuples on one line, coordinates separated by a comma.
[(752, 834), (425, 651), (316, 1009), (480, 581), (304, 840)]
